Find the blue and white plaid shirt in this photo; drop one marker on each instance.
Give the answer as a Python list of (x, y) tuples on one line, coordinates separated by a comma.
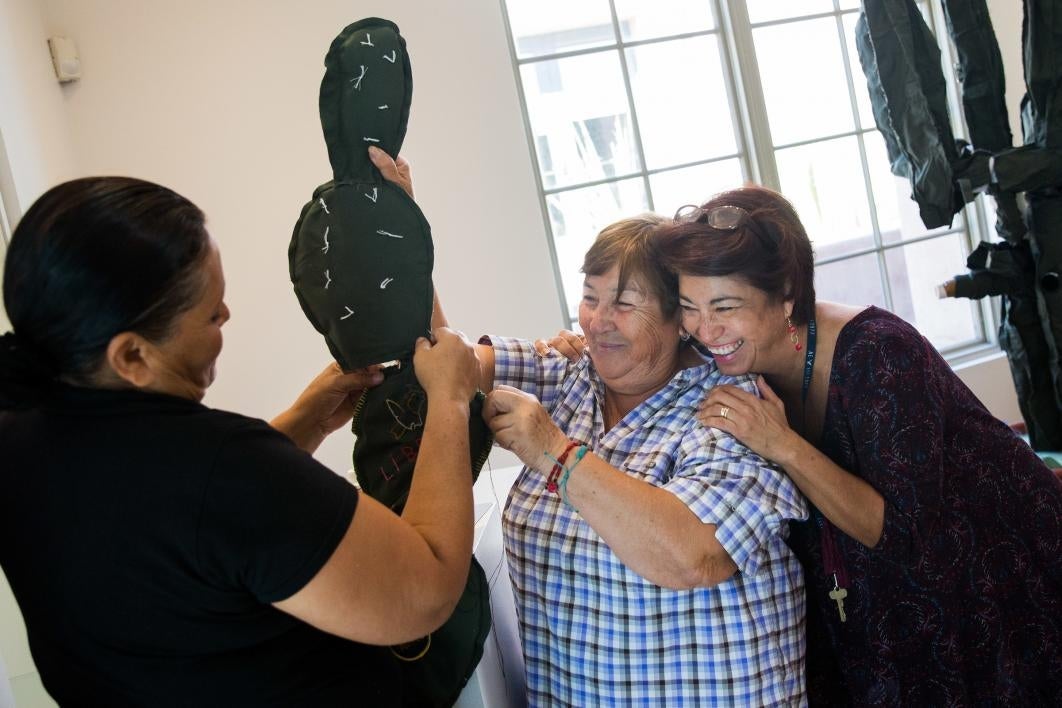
[(596, 633)]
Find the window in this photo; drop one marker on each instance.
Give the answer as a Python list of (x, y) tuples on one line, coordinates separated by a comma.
[(637, 105)]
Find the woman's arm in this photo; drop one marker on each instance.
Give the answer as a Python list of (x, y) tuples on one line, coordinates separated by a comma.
[(399, 172), (650, 529), (393, 579), (852, 505)]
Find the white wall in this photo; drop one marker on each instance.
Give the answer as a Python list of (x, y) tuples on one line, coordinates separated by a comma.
[(219, 101), (37, 142), (34, 142), (32, 115)]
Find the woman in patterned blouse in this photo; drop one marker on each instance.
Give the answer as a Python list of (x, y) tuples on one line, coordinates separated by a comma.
[(934, 549)]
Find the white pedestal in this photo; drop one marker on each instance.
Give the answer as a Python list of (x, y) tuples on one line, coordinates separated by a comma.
[(498, 681)]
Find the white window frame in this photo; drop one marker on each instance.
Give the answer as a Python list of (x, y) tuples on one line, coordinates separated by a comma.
[(756, 149)]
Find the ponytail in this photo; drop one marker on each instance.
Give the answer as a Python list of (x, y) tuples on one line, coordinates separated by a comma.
[(25, 375)]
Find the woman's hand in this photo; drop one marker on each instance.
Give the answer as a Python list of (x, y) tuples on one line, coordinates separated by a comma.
[(759, 423), (448, 368), (397, 171), (567, 343), (521, 425), (326, 405), (331, 396)]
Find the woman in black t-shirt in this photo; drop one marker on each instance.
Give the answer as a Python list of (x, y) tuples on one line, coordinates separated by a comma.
[(166, 553)]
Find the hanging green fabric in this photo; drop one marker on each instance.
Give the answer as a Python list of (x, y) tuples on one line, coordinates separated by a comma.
[(361, 259), (901, 61)]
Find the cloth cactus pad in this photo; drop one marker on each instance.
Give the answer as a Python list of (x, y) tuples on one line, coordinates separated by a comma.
[(361, 259)]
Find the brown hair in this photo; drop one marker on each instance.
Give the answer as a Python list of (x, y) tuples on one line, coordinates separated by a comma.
[(630, 244), (769, 249)]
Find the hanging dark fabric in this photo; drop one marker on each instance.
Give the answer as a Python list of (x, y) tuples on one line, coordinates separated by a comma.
[(902, 64), (901, 61)]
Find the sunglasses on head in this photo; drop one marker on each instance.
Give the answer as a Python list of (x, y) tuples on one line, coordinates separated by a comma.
[(726, 217)]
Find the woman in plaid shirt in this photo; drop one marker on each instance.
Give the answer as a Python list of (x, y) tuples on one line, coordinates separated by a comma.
[(647, 552)]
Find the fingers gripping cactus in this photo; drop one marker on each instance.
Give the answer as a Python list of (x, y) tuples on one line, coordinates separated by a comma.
[(361, 259)]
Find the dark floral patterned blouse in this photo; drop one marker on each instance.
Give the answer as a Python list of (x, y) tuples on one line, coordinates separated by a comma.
[(960, 603)]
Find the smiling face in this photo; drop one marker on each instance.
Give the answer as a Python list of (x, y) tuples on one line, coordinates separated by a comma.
[(185, 363), (634, 348), (739, 324)]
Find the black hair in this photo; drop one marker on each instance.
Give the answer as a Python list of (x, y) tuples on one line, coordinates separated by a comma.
[(91, 258)]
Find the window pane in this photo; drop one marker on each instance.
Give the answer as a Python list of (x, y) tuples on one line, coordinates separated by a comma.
[(550, 26), (849, 4), (680, 94), (853, 281), (859, 79), (645, 19), (693, 185), (898, 216), (766, 10), (580, 119), (802, 72), (577, 216), (824, 181), (914, 272)]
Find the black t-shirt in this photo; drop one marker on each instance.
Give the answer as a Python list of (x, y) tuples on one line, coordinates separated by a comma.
[(144, 537)]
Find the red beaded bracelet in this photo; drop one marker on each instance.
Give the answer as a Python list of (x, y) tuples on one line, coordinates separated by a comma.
[(558, 466)]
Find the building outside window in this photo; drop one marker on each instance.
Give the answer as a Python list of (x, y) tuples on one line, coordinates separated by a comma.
[(649, 105)]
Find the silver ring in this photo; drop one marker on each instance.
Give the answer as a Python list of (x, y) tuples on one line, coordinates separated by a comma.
[(723, 411)]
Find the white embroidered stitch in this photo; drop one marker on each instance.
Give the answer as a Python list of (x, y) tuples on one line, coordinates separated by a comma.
[(357, 79), (371, 140), (349, 312), (394, 55), (385, 282), (388, 233), (326, 246), (324, 206), (368, 41), (384, 107), (329, 281), (405, 418), (374, 195)]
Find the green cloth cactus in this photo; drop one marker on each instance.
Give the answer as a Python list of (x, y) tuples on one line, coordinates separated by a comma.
[(360, 259), (361, 256)]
